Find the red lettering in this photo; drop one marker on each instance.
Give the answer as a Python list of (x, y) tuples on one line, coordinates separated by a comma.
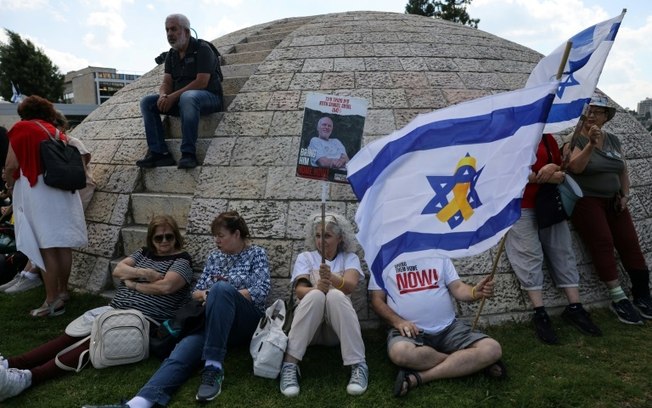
[(408, 282)]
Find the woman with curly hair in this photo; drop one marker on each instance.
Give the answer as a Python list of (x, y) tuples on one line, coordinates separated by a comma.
[(323, 283), (49, 222)]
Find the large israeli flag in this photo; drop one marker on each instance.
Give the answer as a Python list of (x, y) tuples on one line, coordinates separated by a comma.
[(450, 182), (580, 75)]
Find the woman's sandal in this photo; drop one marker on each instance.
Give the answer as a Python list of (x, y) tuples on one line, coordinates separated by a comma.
[(403, 384), (55, 308), (496, 370)]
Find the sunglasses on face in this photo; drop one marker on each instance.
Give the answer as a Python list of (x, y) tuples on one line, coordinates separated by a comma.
[(159, 238)]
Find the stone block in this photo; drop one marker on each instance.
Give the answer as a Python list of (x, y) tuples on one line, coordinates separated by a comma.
[(337, 80), (169, 179), (102, 239), (269, 66), (267, 82), (266, 219), (245, 57), (482, 80), (133, 238), (252, 101), (389, 98), (318, 65), (144, 206), (100, 209), (379, 122), (286, 123), (284, 100), (279, 253), (202, 213), (376, 79), (244, 124), (245, 182), (207, 125), (299, 211), (265, 151), (306, 81)]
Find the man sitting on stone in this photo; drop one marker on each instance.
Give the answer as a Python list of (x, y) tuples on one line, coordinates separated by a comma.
[(426, 340), (190, 88)]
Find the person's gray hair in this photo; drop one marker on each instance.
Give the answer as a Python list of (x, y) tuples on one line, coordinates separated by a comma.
[(335, 223), (181, 19)]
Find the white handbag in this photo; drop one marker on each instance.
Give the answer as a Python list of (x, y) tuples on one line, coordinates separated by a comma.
[(269, 342)]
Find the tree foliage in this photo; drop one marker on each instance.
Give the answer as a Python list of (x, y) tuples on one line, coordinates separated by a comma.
[(29, 69), (452, 10)]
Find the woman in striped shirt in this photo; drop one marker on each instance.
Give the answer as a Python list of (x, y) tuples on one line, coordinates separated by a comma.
[(154, 280)]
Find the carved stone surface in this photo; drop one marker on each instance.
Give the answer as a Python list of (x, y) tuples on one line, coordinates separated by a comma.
[(403, 65)]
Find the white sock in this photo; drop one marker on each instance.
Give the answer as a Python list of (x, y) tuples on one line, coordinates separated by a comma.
[(213, 363), (139, 402), (30, 275)]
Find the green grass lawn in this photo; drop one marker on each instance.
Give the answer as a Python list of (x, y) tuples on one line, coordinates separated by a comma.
[(610, 371)]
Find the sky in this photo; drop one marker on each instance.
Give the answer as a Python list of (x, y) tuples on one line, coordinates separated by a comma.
[(128, 34)]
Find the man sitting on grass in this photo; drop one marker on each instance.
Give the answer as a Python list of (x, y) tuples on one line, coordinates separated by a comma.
[(426, 340)]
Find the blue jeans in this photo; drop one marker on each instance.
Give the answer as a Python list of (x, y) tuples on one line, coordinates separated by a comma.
[(192, 104), (230, 319)]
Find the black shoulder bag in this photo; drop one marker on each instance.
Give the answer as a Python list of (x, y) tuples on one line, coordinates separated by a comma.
[(548, 206), (63, 167)]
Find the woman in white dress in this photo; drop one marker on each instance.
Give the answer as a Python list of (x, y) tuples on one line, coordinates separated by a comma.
[(49, 222)]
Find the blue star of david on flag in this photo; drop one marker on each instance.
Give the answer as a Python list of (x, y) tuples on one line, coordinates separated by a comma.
[(465, 199)]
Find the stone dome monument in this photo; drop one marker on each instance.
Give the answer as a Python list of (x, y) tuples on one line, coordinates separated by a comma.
[(401, 64)]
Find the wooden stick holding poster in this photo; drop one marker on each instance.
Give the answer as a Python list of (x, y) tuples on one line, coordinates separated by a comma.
[(331, 134)]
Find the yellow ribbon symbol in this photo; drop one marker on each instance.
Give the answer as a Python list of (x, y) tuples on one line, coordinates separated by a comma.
[(460, 192)]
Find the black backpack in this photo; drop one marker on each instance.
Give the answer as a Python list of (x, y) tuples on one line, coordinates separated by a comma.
[(217, 55)]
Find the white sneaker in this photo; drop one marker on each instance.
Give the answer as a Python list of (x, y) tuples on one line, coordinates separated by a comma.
[(10, 283), (290, 380), (13, 381), (359, 379), (24, 284), (3, 362)]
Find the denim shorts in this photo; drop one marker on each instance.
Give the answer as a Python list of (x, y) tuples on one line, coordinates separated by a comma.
[(455, 337)]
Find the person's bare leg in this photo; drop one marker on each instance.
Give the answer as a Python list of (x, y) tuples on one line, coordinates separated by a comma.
[(572, 294), (432, 365), (65, 263), (50, 275)]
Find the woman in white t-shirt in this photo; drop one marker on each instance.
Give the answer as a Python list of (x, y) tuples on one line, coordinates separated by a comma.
[(323, 283)]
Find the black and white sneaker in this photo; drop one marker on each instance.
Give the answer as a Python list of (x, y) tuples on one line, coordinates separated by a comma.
[(644, 306), (626, 312)]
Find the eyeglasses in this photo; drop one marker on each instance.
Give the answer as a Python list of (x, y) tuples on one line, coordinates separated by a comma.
[(167, 237), (596, 112)]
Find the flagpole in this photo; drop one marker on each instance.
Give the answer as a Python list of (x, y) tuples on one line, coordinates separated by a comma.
[(501, 247), (564, 58), (324, 196)]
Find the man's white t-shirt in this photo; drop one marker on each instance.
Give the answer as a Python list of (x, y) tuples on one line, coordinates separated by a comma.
[(331, 148), (417, 290)]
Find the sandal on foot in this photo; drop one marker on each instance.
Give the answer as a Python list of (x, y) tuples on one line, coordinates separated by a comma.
[(55, 308), (403, 384), (496, 370)]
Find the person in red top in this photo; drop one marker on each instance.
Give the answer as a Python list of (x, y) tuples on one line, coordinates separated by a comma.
[(526, 244), (49, 222)]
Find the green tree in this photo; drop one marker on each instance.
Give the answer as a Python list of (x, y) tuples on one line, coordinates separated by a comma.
[(28, 68), (452, 10)]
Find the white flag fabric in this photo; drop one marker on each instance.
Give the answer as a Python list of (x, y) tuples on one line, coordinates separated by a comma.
[(450, 182), (15, 97), (580, 75)]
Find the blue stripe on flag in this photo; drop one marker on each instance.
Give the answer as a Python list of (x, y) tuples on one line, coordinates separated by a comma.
[(561, 112), (487, 128), (450, 241)]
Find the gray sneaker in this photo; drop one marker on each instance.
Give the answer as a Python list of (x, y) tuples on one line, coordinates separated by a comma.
[(10, 283), (290, 380), (359, 379), (13, 381), (24, 284), (211, 384)]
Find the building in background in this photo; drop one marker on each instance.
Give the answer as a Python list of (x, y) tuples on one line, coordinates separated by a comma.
[(645, 107), (94, 85)]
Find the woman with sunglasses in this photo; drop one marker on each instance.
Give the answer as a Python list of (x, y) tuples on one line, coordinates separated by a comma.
[(601, 217), (234, 286), (323, 281), (154, 280)]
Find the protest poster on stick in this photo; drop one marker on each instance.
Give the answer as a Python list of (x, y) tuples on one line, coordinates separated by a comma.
[(331, 135)]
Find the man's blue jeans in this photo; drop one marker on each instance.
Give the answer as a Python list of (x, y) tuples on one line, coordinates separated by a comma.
[(192, 104), (230, 319)]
